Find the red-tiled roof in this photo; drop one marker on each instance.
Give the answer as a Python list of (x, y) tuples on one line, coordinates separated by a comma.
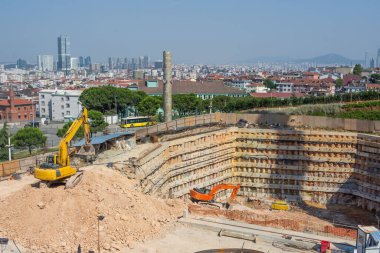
[(187, 87), (276, 95), (17, 101)]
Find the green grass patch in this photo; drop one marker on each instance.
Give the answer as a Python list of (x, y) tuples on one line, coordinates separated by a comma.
[(360, 114)]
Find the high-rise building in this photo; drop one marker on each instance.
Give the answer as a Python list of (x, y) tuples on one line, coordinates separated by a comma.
[(158, 64), (87, 61), (146, 62), (134, 64), (140, 64), (378, 58), (21, 64), (372, 63), (64, 54), (81, 61), (74, 63), (45, 63), (110, 63)]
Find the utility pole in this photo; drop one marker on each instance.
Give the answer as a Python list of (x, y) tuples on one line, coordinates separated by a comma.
[(9, 146)]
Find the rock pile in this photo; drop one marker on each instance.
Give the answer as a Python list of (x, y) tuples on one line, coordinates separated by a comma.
[(58, 220)]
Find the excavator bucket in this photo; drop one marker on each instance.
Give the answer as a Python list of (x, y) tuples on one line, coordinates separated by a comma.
[(87, 152), (87, 149)]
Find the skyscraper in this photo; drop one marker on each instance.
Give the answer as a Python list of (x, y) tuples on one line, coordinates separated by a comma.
[(64, 56), (45, 62), (372, 63), (110, 63), (378, 59), (146, 62), (81, 61), (87, 61)]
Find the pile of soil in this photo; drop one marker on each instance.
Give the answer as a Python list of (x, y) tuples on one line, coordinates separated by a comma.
[(58, 220)]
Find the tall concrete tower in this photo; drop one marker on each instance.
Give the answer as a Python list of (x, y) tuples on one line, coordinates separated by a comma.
[(64, 57), (167, 85)]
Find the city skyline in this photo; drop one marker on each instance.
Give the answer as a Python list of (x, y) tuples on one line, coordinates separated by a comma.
[(197, 31)]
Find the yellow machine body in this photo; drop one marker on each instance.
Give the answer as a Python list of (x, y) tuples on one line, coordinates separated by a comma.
[(280, 205), (58, 166)]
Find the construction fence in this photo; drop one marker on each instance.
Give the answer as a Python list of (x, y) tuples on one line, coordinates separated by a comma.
[(368, 126), (19, 166)]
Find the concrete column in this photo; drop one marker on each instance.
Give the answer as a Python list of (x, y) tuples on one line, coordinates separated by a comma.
[(167, 59)]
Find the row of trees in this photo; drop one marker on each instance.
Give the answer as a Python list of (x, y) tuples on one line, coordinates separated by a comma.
[(103, 100)]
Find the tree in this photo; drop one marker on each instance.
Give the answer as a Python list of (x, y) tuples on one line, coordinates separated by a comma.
[(339, 83), (29, 137), (4, 142), (97, 123), (62, 131), (187, 104), (149, 106), (358, 69), (375, 78), (109, 99), (270, 84)]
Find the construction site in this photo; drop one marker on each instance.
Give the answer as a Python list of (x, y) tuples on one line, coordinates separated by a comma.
[(209, 183)]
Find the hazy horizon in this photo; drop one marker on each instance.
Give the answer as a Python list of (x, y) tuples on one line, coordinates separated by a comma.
[(211, 32)]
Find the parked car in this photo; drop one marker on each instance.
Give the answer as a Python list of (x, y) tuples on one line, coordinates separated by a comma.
[(32, 124)]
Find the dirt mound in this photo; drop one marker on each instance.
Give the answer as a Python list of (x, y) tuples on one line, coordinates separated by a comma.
[(58, 220)]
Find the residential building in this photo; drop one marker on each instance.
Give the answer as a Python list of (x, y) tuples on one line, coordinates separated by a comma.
[(59, 105), (203, 90), (17, 109), (285, 87), (45, 63), (64, 54), (74, 62), (3, 78), (378, 59), (256, 88)]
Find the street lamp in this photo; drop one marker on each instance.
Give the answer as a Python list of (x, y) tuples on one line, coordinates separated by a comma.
[(100, 218)]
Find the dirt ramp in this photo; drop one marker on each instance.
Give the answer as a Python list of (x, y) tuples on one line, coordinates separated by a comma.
[(58, 220)]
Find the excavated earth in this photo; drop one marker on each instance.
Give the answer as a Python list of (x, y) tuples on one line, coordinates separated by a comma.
[(58, 220)]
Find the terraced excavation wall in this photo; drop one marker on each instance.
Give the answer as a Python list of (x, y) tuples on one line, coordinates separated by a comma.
[(321, 166)]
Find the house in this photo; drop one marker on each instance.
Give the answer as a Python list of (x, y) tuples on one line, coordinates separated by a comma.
[(17, 109), (256, 87)]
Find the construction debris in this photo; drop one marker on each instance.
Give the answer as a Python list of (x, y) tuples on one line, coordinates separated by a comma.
[(58, 220)]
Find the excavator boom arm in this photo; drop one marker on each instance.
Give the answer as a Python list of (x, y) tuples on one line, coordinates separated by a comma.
[(63, 154)]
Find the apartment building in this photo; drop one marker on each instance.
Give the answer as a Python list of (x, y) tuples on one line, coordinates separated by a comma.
[(59, 105)]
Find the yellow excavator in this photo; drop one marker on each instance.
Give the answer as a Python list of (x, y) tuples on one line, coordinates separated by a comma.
[(57, 167)]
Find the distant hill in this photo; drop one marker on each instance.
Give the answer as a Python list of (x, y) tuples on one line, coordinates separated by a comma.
[(330, 59)]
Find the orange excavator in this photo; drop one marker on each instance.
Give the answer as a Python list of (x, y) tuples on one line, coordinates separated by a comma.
[(204, 195)]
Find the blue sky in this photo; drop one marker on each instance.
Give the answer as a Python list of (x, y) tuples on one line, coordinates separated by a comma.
[(196, 31)]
